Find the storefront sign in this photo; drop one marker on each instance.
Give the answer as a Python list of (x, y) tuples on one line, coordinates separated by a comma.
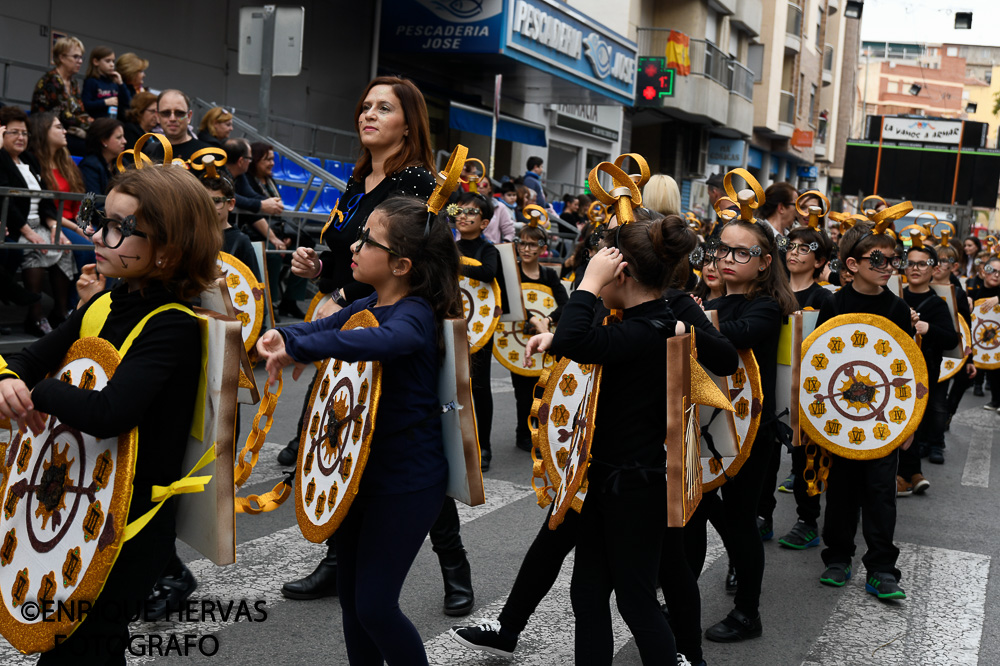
[(597, 120), (808, 172), (654, 81), (922, 131), (726, 152), (430, 26), (802, 138)]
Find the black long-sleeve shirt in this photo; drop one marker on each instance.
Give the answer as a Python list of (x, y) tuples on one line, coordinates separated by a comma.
[(630, 426), (153, 387), (715, 351), (238, 244), (483, 251), (813, 296), (754, 325), (941, 334)]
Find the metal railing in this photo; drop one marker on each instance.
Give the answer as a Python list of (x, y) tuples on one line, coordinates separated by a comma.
[(707, 60), (793, 24), (828, 58), (27, 82), (786, 111), (60, 199)]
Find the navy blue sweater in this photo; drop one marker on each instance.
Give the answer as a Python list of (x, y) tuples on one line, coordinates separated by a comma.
[(95, 91)]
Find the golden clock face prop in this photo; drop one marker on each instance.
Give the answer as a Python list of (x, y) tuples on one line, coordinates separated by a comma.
[(246, 294), (66, 496), (562, 429), (511, 339), (985, 335), (796, 327), (481, 305), (733, 433), (864, 386), (336, 435)]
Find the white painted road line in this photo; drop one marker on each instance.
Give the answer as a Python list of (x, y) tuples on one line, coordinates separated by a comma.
[(264, 564), (977, 463), (548, 638), (941, 623)]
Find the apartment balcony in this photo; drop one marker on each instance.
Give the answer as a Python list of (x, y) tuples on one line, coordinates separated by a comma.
[(793, 29), (715, 84), (748, 16), (832, 6), (828, 52), (725, 7), (786, 114)]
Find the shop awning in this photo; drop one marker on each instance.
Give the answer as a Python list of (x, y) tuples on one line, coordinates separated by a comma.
[(480, 121)]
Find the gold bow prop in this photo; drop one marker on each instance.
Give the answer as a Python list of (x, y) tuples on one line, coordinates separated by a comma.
[(536, 216), (991, 244), (814, 213), (932, 227), (139, 158), (845, 220), (475, 178), (916, 239), (448, 179), (872, 197), (207, 159), (597, 213), (625, 195), (884, 218), (747, 200), (945, 240), (693, 223)]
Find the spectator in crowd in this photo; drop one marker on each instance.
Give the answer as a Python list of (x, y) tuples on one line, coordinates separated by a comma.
[(173, 108), (105, 141), (58, 91), (59, 173), (501, 226), (103, 90), (571, 210), (525, 197), (778, 210), (252, 206), (141, 117), (33, 221), (533, 179), (662, 195), (133, 71), (508, 195), (215, 126)]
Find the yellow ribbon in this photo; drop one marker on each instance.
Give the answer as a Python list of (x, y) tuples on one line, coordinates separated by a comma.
[(625, 195), (197, 162), (535, 215), (693, 222), (160, 494), (448, 179), (640, 178), (139, 158), (885, 217), (597, 213)]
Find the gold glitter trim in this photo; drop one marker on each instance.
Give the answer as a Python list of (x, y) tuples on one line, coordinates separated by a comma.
[(515, 340), (749, 363), (250, 283), (478, 341)]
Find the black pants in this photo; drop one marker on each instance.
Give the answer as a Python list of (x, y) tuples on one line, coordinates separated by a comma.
[(617, 551), (867, 487), (767, 502), (994, 377), (806, 505), (376, 546), (104, 635), (960, 383), (740, 498), (930, 433), (482, 395), (524, 396)]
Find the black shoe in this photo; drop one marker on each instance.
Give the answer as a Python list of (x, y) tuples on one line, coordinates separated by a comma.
[(801, 536), (978, 391), (884, 586), (288, 455), (487, 637), (291, 309), (458, 595), (766, 529), (732, 584), (486, 458), (936, 455), (320, 583), (169, 594), (736, 627), (523, 443), (788, 485), (836, 575)]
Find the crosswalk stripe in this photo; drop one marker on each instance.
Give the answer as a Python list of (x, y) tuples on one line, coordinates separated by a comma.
[(263, 565), (977, 463), (548, 638), (941, 623)]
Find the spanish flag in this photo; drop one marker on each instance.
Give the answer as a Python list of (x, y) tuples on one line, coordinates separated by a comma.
[(679, 52)]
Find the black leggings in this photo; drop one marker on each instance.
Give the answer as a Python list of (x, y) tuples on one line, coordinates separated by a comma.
[(482, 395), (376, 545), (617, 551), (524, 396), (740, 497)]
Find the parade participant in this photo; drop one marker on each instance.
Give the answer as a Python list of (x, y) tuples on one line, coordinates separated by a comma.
[(501, 226), (411, 262), (234, 241), (531, 242), (473, 217), (159, 237), (616, 550), (936, 327), (990, 290), (711, 285), (750, 315), (865, 488), (944, 275), (544, 558)]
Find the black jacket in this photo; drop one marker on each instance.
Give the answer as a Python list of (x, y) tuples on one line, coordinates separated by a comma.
[(10, 176)]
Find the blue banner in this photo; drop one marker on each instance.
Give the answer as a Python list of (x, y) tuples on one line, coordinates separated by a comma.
[(433, 26)]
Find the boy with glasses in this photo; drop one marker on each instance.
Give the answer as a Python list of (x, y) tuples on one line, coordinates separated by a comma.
[(234, 241)]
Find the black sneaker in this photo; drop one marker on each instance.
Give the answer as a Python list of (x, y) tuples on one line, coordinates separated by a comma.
[(734, 628), (978, 391), (766, 529), (836, 574), (485, 637), (884, 586), (801, 536), (991, 406), (936, 455), (169, 594), (788, 485), (485, 459)]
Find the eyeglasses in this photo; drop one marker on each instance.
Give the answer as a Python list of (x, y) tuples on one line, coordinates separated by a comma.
[(740, 255), (467, 211), (173, 113), (947, 262), (802, 248), (921, 264), (878, 261), (528, 245), (990, 269), (220, 201), (365, 238), (23, 133), (113, 232), (78, 58)]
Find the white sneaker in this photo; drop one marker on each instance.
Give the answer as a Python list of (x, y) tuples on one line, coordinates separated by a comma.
[(682, 660)]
